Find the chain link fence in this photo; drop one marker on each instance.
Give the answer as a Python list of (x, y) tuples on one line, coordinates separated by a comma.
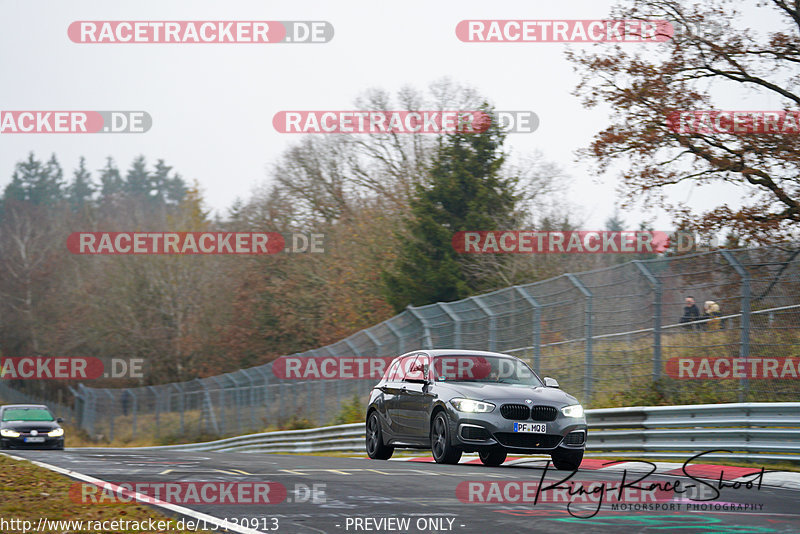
[(608, 336)]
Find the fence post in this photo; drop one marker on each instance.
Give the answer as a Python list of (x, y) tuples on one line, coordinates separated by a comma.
[(250, 399), (208, 405), (744, 344), (537, 327), (237, 391), (87, 418), (261, 369), (428, 343), (158, 406), (135, 410), (492, 322), (78, 402), (456, 324), (179, 387), (362, 384), (111, 407), (339, 383), (587, 376), (323, 399), (221, 429), (655, 284), (401, 345)]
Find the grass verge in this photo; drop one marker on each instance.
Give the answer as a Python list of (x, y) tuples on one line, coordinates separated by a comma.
[(29, 492)]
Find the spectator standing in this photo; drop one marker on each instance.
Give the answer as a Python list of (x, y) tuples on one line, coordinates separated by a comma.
[(712, 313), (690, 313)]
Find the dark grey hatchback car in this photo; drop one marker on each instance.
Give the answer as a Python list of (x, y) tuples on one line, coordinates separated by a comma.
[(455, 401)]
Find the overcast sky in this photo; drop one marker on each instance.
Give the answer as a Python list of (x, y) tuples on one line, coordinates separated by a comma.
[(212, 104)]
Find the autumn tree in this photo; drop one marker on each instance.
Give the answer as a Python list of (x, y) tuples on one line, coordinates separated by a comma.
[(713, 54)]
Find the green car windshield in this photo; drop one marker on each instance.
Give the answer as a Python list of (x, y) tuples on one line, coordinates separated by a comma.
[(27, 414)]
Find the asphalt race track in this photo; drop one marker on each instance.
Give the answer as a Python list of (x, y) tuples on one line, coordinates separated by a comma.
[(354, 494)]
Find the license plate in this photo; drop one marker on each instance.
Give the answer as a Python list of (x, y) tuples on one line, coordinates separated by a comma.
[(34, 440), (538, 428)]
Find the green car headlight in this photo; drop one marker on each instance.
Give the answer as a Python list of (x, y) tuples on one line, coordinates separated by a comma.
[(576, 410), (472, 406), (57, 433), (8, 433)]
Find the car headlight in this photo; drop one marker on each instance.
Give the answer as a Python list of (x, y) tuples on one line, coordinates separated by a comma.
[(576, 410), (8, 433), (57, 433), (472, 406)]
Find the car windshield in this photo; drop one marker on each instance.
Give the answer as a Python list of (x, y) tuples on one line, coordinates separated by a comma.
[(489, 369), (27, 414)]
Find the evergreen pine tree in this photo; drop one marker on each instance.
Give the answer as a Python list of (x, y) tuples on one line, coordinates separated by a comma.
[(465, 191)]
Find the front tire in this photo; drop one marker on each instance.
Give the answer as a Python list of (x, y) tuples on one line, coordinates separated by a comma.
[(443, 451), (567, 459), (374, 440), (493, 457)]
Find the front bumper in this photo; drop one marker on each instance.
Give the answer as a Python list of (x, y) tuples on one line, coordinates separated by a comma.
[(474, 432), (20, 443)]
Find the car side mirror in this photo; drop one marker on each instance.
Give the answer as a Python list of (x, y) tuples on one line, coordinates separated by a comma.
[(550, 382), (420, 373), (59, 420)]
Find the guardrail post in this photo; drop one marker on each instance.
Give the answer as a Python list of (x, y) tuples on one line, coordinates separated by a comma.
[(492, 322), (587, 376), (655, 285), (426, 329), (537, 327), (744, 344)]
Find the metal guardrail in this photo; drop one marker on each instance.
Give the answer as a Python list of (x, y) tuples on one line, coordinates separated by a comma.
[(750, 431), (342, 438)]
